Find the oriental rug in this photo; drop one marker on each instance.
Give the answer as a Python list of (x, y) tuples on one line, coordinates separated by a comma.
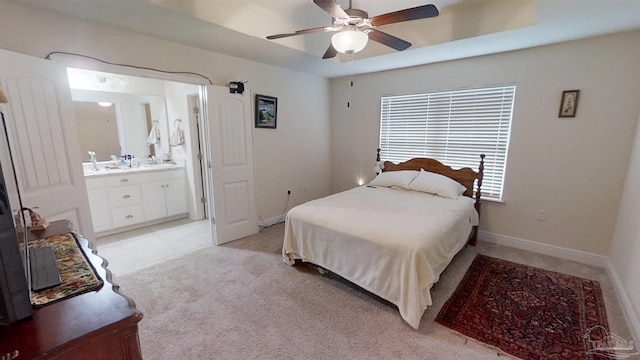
[(527, 312), (77, 274)]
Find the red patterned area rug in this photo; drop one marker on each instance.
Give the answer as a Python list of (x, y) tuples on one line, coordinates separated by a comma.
[(527, 312)]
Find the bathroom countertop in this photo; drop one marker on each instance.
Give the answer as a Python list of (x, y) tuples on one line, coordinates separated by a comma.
[(144, 168)]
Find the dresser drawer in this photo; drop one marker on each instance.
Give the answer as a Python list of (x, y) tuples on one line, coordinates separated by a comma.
[(127, 215), (123, 180), (125, 196)]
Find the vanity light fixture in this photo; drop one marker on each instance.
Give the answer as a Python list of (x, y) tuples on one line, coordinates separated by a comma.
[(104, 103)]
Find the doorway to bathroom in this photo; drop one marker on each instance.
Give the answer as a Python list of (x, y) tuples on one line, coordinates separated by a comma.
[(48, 138), (141, 149)]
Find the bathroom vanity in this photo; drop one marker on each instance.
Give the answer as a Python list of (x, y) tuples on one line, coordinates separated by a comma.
[(123, 199)]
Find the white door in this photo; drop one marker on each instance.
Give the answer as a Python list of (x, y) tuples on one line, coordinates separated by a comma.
[(41, 127), (230, 140)]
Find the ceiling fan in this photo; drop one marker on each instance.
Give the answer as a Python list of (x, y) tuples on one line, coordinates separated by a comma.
[(353, 27)]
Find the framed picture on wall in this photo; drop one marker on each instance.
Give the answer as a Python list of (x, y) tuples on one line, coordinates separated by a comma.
[(266, 111), (569, 103)]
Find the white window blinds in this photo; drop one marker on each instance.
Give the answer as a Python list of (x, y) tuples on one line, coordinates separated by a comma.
[(454, 127)]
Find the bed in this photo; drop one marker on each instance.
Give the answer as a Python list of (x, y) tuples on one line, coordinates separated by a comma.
[(394, 236)]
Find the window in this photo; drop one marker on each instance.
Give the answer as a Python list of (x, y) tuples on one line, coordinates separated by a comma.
[(454, 127)]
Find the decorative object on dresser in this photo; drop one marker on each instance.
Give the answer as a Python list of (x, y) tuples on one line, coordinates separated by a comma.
[(98, 324), (37, 221), (77, 275), (390, 237), (527, 312)]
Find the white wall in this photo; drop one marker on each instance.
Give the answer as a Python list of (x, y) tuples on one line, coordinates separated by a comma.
[(625, 248), (295, 155), (574, 168)]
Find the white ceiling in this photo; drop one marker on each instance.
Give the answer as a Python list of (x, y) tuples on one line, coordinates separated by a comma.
[(464, 28)]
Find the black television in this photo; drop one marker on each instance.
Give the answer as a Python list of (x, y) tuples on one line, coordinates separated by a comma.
[(15, 303)]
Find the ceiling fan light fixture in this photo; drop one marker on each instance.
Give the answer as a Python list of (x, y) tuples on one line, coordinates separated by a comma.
[(349, 41)]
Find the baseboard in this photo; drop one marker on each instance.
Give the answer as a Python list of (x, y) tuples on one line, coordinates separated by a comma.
[(625, 302), (139, 225), (545, 249), (271, 221)]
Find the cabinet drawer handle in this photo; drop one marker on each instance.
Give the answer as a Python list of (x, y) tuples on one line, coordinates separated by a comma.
[(124, 180), (126, 196), (128, 217)]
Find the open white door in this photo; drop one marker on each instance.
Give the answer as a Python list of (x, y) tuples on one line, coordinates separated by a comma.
[(41, 127), (230, 140)]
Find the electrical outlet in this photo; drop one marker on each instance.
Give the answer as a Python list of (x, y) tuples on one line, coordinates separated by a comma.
[(288, 191), (542, 215)]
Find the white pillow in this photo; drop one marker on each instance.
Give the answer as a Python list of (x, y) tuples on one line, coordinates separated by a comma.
[(437, 184), (400, 178)]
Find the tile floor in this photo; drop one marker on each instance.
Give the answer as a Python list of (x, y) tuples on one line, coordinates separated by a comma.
[(137, 249)]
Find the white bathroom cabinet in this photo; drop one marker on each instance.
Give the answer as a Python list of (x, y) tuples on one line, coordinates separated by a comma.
[(164, 194), (99, 204), (122, 201)]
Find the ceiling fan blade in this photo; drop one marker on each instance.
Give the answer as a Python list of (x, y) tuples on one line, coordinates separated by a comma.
[(300, 32), (419, 12), (330, 53), (332, 8), (389, 40)]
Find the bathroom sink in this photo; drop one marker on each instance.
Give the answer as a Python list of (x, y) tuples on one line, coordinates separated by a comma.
[(89, 172), (142, 167), (104, 170)]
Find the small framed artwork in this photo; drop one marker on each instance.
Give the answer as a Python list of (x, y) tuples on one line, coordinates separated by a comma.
[(266, 111), (569, 103)]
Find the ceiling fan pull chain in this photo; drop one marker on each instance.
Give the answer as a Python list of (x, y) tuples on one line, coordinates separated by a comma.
[(350, 78)]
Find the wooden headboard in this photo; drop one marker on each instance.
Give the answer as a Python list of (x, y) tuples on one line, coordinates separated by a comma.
[(465, 176)]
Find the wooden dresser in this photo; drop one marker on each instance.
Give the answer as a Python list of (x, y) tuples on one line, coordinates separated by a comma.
[(100, 324)]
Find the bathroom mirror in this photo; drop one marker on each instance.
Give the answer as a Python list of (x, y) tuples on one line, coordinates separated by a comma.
[(121, 128), (97, 128)]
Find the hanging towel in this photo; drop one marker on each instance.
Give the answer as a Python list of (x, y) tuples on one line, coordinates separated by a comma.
[(154, 134), (177, 138)]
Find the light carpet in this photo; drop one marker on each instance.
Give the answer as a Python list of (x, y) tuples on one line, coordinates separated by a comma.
[(240, 301)]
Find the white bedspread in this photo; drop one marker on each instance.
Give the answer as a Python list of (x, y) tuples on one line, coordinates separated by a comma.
[(393, 243)]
